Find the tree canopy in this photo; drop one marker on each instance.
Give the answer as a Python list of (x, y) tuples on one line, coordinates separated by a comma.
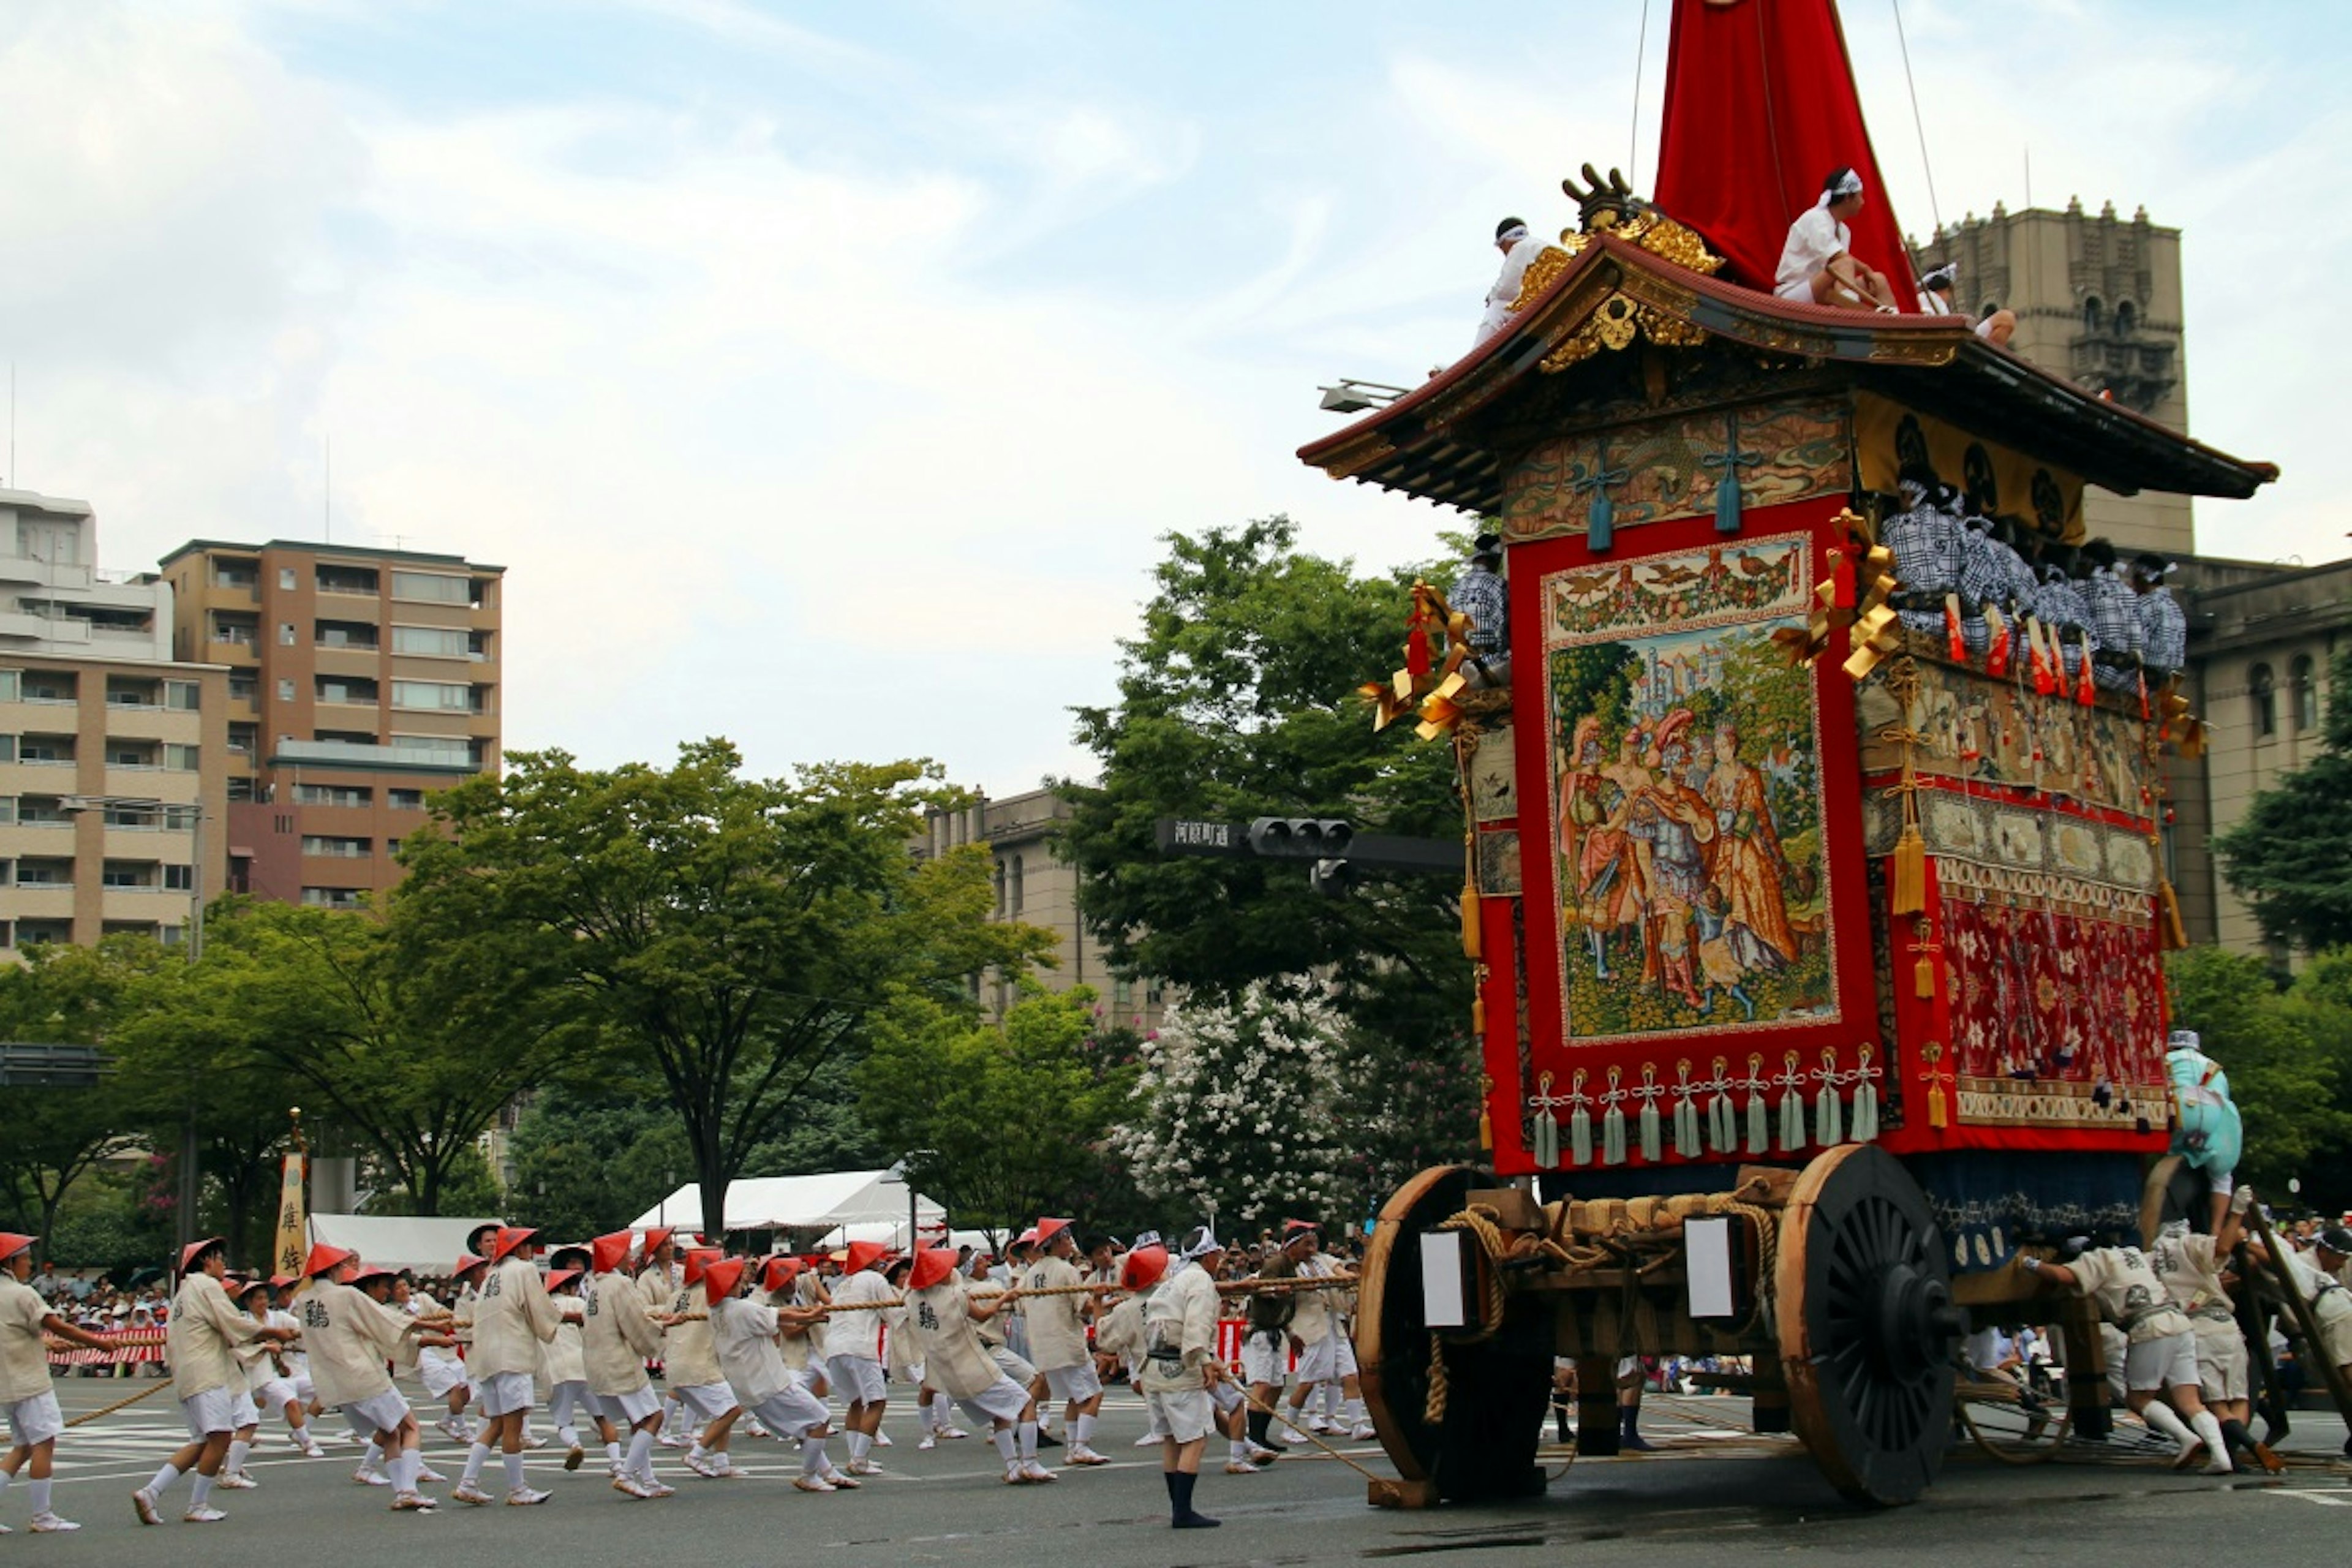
[(2290, 857)]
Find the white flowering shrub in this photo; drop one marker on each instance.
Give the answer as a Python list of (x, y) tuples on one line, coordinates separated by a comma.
[(1238, 1110)]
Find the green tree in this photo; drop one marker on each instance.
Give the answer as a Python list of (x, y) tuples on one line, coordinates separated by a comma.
[(2289, 856), (1010, 1117), (724, 933), (590, 1158), (58, 1136), (1236, 700), (2288, 1055)]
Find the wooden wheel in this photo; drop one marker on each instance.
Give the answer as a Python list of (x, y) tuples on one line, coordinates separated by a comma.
[(1498, 1389), (1867, 1325)]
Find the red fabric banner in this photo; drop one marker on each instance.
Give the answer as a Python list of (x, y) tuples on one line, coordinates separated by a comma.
[(1760, 106)]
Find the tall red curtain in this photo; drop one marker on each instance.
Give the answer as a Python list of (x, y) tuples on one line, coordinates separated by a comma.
[(1760, 106)]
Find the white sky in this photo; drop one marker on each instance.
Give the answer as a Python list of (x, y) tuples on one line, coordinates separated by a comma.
[(826, 374)]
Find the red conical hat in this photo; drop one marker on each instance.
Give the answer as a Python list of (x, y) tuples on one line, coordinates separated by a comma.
[(779, 1273), (607, 1253), (466, 1263), (718, 1280), (196, 1249), (657, 1238), (698, 1261), (1047, 1229), (509, 1237), (863, 1255), (558, 1278), (12, 1243), (1142, 1267), (933, 1264), (324, 1259)]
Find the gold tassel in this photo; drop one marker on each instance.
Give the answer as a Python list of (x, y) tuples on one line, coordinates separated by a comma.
[(1478, 1017), (1923, 979), (1472, 943), (1486, 1114), (2170, 934), (1937, 1115), (1910, 871)]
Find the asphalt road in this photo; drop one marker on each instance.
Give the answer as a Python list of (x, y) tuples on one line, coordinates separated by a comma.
[(1710, 1495)]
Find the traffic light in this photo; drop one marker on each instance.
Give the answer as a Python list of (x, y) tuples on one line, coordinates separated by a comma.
[(1301, 837), (1332, 878)]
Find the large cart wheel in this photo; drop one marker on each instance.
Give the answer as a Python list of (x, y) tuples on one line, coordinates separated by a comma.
[(1867, 1325), (1498, 1389)]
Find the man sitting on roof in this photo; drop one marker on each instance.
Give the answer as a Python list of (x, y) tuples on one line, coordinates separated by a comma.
[(1998, 326), (1817, 265), (1511, 239)]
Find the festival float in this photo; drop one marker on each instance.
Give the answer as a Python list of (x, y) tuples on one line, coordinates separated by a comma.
[(1818, 952)]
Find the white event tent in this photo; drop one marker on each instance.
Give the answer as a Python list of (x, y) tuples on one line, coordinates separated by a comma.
[(831, 1209), (398, 1241)]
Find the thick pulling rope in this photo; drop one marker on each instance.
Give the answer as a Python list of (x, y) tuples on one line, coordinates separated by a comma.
[(1225, 1288), (1386, 1482), (160, 1384)]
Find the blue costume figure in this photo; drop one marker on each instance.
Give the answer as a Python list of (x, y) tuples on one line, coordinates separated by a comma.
[(2206, 1134)]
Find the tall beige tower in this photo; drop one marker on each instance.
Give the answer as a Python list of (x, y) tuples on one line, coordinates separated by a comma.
[(2097, 300)]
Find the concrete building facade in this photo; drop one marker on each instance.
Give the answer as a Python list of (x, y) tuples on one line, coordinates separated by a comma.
[(1035, 885), (359, 681), (2098, 299), (112, 804)]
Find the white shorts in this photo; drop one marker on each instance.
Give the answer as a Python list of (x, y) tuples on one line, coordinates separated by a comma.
[(1265, 1358), (1801, 290), (792, 1411), (275, 1394), (2223, 1369), (628, 1409), (1013, 1366), (504, 1393), (857, 1379), (1188, 1416), (2334, 1311), (242, 1411), (1319, 1361), (439, 1374), (35, 1420), (573, 1397), (1003, 1400), (1225, 1396), (1347, 1354), (2160, 1363), (214, 1410), (377, 1413), (1072, 1384), (708, 1401)]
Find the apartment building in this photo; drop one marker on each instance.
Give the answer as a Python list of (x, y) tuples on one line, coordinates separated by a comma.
[(1035, 885), (112, 806), (358, 681)]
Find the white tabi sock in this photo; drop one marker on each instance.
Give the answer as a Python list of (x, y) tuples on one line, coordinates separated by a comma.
[(859, 1444), (164, 1479), (1239, 1453), (2216, 1445), (371, 1457), (640, 1462), (476, 1457), (404, 1468), (1352, 1411), (613, 1454), (1333, 1405), (1003, 1437), (39, 1492), (697, 1451), (5, 1478), (2159, 1416), (514, 1471), (1082, 1429), (237, 1458), (1029, 1439), (813, 1457), (568, 1436), (200, 1490)]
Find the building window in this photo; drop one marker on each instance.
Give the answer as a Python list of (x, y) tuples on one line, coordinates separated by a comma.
[(286, 579), (55, 686), (1016, 886), (2126, 318), (404, 799), (334, 897), (2094, 315), (453, 749), (337, 847), (183, 695), (234, 573), (7, 748), (183, 759), (47, 749), (129, 874), (333, 794), (285, 690), (7, 808), (242, 689), (345, 634), (432, 587), (1001, 875), (12, 685), (432, 642), (286, 633), (180, 878), (2304, 693), (2263, 689), (433, 696), (347, 580), (44, 873), (34, 934), (348, 690)]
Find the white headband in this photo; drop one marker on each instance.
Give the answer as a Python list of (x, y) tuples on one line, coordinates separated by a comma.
[(1850, 185), (1205, 1245), (1517, 231)]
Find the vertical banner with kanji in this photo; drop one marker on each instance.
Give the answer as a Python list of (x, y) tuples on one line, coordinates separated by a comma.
[(292, 1245)]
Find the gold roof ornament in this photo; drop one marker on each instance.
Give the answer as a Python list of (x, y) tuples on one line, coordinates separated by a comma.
[(1610, 206)]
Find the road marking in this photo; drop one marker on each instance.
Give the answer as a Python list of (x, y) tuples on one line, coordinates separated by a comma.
[(2325, 1500)]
